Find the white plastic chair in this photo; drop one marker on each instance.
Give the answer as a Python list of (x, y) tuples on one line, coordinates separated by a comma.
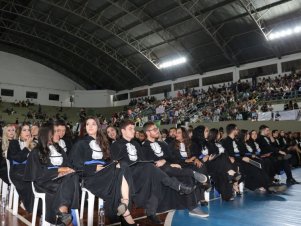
[(91, 200), (42, 196), (37, 196), (13, 194)]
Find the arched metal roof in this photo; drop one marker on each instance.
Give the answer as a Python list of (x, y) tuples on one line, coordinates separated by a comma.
[(117, 44)]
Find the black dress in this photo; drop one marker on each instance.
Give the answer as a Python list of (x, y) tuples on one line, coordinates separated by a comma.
[(150, 183), (179, 156), (218, 169), (17, 155), (159, 150), (3, 167), (106, 183), (254, 177), (59, 191), (268, 147)]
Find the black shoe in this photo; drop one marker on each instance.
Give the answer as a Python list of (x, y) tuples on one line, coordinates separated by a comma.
[(183, 189), (154, 219), (235, 177), (291, 181), (204, 203), (295, 182), (63, 219), (125, 223)]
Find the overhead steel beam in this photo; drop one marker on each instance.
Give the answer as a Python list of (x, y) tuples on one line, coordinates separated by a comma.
[(57, 41), (206, 10), (257, 18), (203, 21), (78, 32), (142, 16), (100, 21), (188, 18)]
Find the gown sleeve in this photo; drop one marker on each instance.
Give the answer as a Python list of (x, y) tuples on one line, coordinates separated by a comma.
[(35, 171), (77, 159), (15, 153)]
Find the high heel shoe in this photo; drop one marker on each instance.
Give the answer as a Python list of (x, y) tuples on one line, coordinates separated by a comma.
[(125, 223), (63, 219), (234, 178), (121, 210)]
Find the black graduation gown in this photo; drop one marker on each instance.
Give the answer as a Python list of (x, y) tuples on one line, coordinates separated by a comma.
[(254, 177), (179, 159), (159, 150), (218, 169), (266, 163), (267, 147), (18, 158), (3, 167), (69, 144), (106, 183), (60, 191), (148, 180), (231, 150)]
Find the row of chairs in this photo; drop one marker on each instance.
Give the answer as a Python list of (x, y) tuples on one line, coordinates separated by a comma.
[(13, 203)]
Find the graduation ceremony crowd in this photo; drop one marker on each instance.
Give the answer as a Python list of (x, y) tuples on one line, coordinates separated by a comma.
[(130, 169)]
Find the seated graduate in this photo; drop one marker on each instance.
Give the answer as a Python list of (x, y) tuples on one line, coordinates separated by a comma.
[(106, 179), (255, 177), (112, 134), (158, 152), (221, 169), (150, 183), (278, 157), (253, 148), (65, 138), (48, 167), (232, 151), (9, 133), (18, 151), (186, 153), (290, 147)]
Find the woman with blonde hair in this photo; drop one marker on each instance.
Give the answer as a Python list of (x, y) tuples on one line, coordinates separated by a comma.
[(9, 133)]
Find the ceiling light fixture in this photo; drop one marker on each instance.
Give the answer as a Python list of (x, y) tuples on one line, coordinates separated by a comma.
[(172, 63), (284, 33)]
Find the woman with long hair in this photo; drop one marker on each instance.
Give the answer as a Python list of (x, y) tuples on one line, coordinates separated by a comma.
[(267, 171), (9, 133), (18, 151), (181, 150), (104, 178), (112, 134), (48, 167), (220, 167)]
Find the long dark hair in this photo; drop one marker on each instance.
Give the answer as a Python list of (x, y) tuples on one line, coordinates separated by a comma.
[(212, 136), (19, 129), (186, 141), (101, 138), (242, 135), (198, 135), (117, 133), (43, 141)]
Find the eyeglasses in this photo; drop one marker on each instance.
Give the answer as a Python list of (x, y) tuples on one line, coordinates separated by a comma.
[(154, 129)]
